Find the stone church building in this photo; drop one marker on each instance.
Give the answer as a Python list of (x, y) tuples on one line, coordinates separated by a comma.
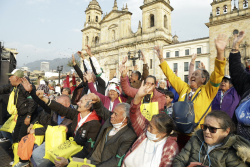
[(111, 38)]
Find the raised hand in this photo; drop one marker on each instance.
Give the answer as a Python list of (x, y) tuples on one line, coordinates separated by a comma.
[(27, 86), (81, 54), (221, 43), (238, 39), (93, 97), (40, 94), (143, 91), (202, 66), (159, 53), (88, 76), (143, 58), (73, 60), (68, 73), (88, 50), (125, 59)]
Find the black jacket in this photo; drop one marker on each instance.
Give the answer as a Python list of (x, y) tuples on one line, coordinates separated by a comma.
[(118, 145), (45, 118), (241, 82), (100, 84), (88, 131), (24, 103)]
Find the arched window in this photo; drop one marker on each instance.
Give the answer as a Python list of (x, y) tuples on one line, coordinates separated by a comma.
[(89, 18), (96, 19), (165, 21), (225, 8), (245, 4), (87, 40), (218, 11), (96, 40), (113, 34), (152, 20)]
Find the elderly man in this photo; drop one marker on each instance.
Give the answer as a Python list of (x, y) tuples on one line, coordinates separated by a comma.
[(24, 104), (115, 137), (85, 123)]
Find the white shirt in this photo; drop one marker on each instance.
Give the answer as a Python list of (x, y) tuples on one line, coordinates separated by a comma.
[(82, 120), (114, 131), (147, 154), (111, 105)]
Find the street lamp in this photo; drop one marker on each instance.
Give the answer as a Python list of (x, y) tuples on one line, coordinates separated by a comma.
[(134, 58), (59, 70)]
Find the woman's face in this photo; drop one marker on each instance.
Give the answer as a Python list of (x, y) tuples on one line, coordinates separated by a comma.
[(196, 79), (152, 129), (162, 85), (214, 138), (113, 94), (225, 85)]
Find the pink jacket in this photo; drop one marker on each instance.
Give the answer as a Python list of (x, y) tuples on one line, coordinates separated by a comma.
[(131, 92), (105, 99), (140, 124)]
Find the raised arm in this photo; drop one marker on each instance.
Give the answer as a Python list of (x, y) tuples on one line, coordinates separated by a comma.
[(77, 69), (191, 66), (67, 80), (145, 72), (98, 106), (138, 121), (217, 75), (240, 77), (129, 91), (175, 81)]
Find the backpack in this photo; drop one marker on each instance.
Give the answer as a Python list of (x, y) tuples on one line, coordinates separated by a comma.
[(183, 115), (243, 113)]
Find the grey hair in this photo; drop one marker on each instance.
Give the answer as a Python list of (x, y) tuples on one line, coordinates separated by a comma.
[(204, 74), (65, 97), (126, 108)]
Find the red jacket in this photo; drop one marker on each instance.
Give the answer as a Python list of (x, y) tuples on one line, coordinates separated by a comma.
[(67, 85), (131, 92), (140, 124)]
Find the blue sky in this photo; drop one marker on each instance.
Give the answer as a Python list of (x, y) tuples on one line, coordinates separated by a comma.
[(29, 25)]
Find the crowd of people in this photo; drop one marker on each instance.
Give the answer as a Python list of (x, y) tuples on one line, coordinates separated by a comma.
[(139, 120)]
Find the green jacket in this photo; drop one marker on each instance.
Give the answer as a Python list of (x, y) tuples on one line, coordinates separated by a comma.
[(234, 151)]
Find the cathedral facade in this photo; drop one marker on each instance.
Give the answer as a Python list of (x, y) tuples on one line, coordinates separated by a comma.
[(111, 38)]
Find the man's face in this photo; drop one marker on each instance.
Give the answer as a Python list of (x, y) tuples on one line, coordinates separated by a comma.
[(117, 116), (84, 104), (13, 80), (65, 92), (63, 102), (134, 77)]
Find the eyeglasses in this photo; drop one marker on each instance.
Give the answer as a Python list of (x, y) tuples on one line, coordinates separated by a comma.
[(210, 128)]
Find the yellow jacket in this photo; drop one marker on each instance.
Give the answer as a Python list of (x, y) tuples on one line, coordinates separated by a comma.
[(208, 91)]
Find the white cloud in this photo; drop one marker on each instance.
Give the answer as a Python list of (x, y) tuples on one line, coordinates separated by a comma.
[(76, 30), (42, 20)]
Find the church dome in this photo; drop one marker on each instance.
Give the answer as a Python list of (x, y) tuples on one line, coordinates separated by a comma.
[(93, 4)]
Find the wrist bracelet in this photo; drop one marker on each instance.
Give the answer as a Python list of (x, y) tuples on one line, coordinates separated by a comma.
[(48, 103), (234, 50)]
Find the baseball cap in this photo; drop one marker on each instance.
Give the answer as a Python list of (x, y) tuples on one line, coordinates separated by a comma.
[(16, 72), (227, 77)]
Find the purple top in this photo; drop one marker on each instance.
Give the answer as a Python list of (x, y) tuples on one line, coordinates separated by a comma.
[(230, 101)]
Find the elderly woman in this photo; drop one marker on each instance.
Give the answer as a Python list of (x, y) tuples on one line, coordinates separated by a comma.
[(201, 87), (215, 144), (227, 98), (156, 144), (114, 95), (162, 87)]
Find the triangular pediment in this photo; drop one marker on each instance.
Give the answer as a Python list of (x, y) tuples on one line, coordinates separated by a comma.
[(113, 15)]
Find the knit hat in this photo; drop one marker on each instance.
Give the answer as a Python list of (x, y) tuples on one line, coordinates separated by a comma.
[(114, 87), (16, 72), (43, 87)]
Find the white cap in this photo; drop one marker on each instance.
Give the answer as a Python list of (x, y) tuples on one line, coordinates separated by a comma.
[(114, 80)]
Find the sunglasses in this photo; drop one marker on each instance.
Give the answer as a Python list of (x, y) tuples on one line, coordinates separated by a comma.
[(210, 128)]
